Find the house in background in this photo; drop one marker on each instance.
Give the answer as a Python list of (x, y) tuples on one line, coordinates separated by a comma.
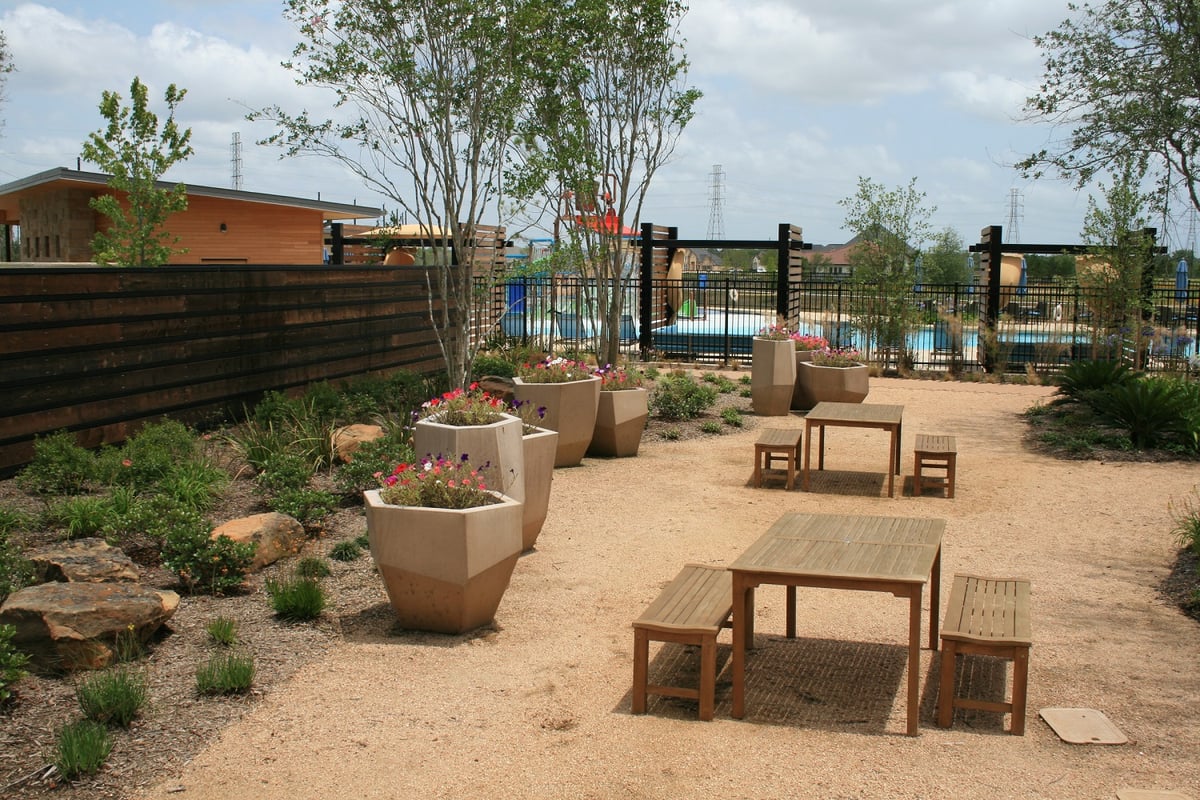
[(220, 226)]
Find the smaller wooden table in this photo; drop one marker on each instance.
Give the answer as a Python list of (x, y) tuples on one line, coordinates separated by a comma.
[(777, 443), (854, 415)]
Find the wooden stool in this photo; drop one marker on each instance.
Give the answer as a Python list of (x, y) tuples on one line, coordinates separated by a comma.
[(986, 616), (691, 610), (934, 452), (782, 444)]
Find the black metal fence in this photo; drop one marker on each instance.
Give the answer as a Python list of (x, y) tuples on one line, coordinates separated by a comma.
[(1039, 327)]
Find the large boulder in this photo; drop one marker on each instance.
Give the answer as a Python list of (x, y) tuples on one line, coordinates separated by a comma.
[(348, 439), (83, 561), (275, 536), (69, 626)]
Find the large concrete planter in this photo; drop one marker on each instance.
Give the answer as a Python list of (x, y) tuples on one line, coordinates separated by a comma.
[(498, 445), (820, 384), (540, 448), (802, 356), (620, 422), (570, 410), (772, 376), (445, 570)]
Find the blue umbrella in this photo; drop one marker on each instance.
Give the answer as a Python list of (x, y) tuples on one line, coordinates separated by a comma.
[(1022, 281), (917, 271), (1181, 280)]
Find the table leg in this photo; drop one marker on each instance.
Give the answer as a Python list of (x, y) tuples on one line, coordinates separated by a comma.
[(743, 621), (914, 658), (791, 612), (821, 449), (935, 599), (893, 464)]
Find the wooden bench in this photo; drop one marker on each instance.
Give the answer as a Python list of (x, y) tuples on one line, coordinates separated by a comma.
[(777, 444), (986, 616), (934, 452), (692, 609)]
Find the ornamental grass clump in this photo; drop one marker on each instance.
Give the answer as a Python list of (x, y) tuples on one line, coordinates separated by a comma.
[(470, 406), (437, 482), (554, 370), (844, 357)]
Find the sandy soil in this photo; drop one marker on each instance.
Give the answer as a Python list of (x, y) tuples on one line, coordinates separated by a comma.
[(539, 706)]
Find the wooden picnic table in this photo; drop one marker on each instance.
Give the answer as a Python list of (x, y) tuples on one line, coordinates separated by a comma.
[(854, 415), (834, 551)]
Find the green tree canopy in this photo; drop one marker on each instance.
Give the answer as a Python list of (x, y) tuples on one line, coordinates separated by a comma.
[(135, 154)]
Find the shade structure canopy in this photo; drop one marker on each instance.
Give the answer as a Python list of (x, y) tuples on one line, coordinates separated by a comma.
[(1181, 279)]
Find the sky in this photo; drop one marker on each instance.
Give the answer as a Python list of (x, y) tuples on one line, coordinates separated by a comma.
[(801, 98)]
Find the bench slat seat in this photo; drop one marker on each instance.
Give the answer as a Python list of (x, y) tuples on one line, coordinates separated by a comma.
[(691, 610), (986, 616)]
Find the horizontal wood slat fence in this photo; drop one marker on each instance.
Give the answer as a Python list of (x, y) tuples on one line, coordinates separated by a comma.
[(99, 351)]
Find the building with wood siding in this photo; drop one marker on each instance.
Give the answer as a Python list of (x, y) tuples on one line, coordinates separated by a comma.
[(220, 226)]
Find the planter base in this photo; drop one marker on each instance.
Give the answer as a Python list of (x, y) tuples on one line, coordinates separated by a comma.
[(424, 603)]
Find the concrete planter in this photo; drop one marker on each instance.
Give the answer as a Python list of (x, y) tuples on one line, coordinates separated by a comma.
[(620, 422), (772, 376), (802, 356), (445, 570), (540, 448), (818, 384), (570, 410), (498, 445)]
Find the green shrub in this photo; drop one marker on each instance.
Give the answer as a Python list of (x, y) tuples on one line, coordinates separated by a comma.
[(710, 426), (745, 380), (1080, 379), (1186, 516), (12, 662), (487, 364), (680, 397), (722, 384), (296, 598), (363, 540), (59, 466), (308, 506), (284, 470), (81, 749), (205, 564), (223, 630), (313, 567), (732, 417), (15, 570), (195, 484), (745, 391), (672, 434), (151, 455), (1150, 410), (225, 673), (380, 455), (112, 697), (346, 550)]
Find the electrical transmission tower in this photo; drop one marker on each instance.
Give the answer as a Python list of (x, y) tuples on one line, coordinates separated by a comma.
[(235, 159), (716, 204), (1016, 212)]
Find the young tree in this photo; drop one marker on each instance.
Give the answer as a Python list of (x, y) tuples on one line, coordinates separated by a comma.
[(1124, 79), (6, 66), (945, 261), (135, 153), (429, 95), (611, 102), (891, 226)]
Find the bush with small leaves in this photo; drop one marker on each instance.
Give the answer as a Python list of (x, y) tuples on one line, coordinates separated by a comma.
[(225, 673), (345, 550), (680, 397), (204, 563), (672, 434), (15, 570), (732, 417), (59, 466), (296, 598), (12, 662), (112, 697), (710, 426), (372, 458), (81, 749)]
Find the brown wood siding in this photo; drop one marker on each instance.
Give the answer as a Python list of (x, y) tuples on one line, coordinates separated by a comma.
[(255, 233), (99, 351)]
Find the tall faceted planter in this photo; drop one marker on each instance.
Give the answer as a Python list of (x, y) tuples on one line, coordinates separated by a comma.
[(498, 445), (620, 422), (832, 384), (802, 356), (772, 376), (540, 448), (570, 410), (445, 570)]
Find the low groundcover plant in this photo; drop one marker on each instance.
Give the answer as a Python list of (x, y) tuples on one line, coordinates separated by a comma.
[(470, 406), (436, 482)]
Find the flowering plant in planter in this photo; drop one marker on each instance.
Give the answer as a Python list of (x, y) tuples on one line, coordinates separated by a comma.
[(471, 406), (845, 357), (805, 341), (532, 415), (615, 379), (436, 482), (554, 370), (775, 333)]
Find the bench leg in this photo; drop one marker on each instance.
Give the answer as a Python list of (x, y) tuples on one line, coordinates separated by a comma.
[(945, 705), (1019, 687), (950, 477), (641, 660), (708, 677), (917, 476)]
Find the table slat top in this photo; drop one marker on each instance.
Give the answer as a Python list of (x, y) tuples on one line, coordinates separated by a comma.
[(847, 546), (867, 413)]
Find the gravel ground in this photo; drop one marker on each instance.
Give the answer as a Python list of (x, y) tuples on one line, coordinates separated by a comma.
[(537, 706)]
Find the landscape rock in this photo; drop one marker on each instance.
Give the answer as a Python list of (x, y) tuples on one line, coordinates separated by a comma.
[(498, 386), (70, 626), (276, 535), (89, 560), (348, 439)]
